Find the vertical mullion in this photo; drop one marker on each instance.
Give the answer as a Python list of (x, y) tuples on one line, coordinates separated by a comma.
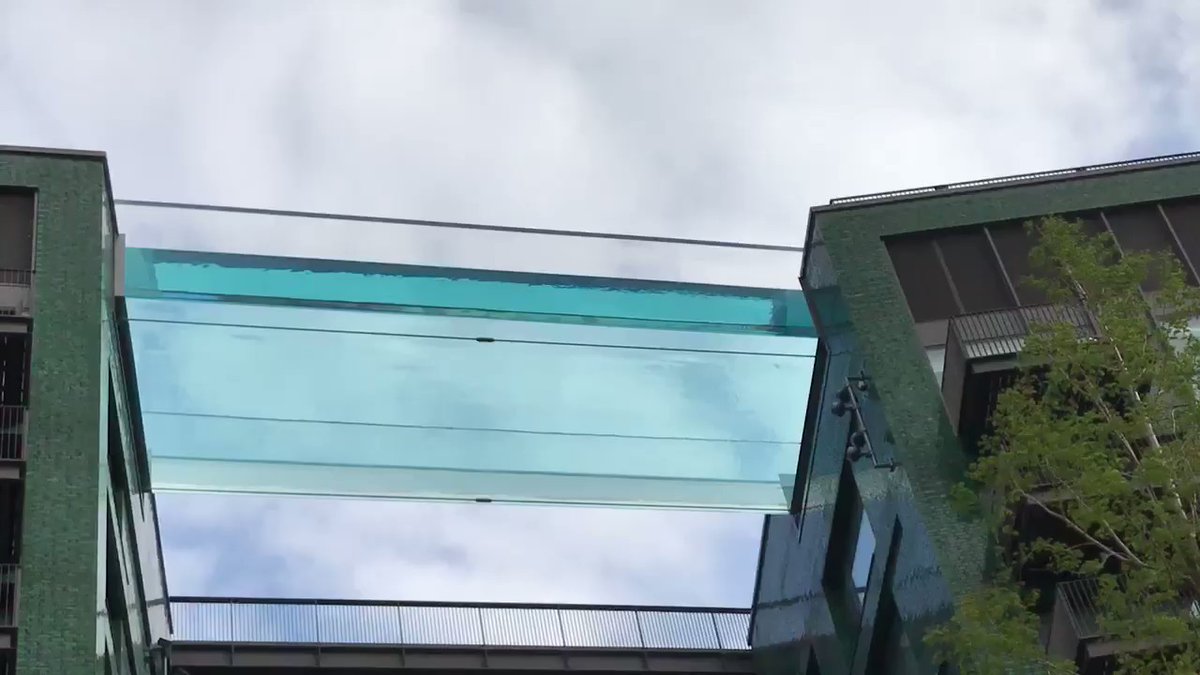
[(1187, 259), (1112, 233), (949, 280), (1012, 290)]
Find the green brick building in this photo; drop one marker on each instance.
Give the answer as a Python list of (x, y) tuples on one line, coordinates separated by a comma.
[(83, 589), (904, 288)]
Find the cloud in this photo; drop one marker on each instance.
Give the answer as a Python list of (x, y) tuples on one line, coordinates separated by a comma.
[(469, 552), (701, 119)]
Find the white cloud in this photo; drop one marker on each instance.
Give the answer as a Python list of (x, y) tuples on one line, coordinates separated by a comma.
[(705, 119), (334, 548)]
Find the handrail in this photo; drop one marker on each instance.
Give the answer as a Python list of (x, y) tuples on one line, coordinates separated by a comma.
[(409, 623), (509, 229), (221, 600)]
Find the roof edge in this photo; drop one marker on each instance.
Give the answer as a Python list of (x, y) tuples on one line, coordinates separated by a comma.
[(53, 152), (1037, 177)]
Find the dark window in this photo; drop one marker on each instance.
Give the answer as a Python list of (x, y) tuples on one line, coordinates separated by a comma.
[(1141, 229), (14, 368), (887, 655), (1015, 243), (16, 230), (814, 666), (1092, 224), (851, 553), (974, 270), (922, 278), (1185, 220)]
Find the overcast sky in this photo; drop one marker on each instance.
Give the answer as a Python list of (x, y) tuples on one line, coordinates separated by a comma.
[(702, 119)]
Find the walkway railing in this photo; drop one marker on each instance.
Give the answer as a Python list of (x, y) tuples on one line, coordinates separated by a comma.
[(1110, 167), (277, 621)]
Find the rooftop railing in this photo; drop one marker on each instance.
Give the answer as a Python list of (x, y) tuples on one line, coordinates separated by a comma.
[(1037, 176), (327, 622)]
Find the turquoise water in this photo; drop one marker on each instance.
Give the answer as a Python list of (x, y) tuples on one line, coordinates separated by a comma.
[(283, 375)]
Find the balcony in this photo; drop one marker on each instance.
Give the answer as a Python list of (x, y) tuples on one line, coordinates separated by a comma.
[(1076, 634), (228, 634), (10, 578), (15, 295), (982, 352), (14, 429)]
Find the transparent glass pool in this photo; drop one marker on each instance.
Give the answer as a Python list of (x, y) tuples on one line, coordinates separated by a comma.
[(275, 374)]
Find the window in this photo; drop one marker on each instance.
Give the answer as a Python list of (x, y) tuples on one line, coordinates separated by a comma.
[(1184, 217), (937, 361), (1141, 229), (848, 562), (974, 270), (922, 278), (16, 230), (864, 556), (1015, 243)]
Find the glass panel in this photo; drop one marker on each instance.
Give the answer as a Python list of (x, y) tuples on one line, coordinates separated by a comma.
[(922, 278), (420, 408), (937, 361), (1015, 243), (412, 242), (864, 555), (973, 268)]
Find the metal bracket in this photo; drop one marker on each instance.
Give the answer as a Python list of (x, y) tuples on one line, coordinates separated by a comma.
[(849, 399)]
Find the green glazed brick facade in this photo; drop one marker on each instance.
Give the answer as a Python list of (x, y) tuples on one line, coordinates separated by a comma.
[(876, 306), (82, 592), (866, 329), (60, 576)]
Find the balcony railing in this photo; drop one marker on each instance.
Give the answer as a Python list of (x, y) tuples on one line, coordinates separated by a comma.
[(14, 428), (10, 277), (1077, 618), (14, 291), (10, 581), (997, 335), (242, 620)]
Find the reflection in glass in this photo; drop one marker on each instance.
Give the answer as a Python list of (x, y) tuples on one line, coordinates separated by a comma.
[(864, 555)]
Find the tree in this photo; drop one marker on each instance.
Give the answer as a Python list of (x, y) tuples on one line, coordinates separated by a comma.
[(1099, 437)]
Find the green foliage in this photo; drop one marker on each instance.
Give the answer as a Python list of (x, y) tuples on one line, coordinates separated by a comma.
[(1100, 438), (993, 632)]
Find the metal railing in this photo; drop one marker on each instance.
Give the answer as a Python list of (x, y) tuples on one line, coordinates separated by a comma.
[(1078, 599), (14, 429), (10, 581), (11, 277), (1003, 332), (15, 287), (999, 333), (1021, 178), (253, 620)]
